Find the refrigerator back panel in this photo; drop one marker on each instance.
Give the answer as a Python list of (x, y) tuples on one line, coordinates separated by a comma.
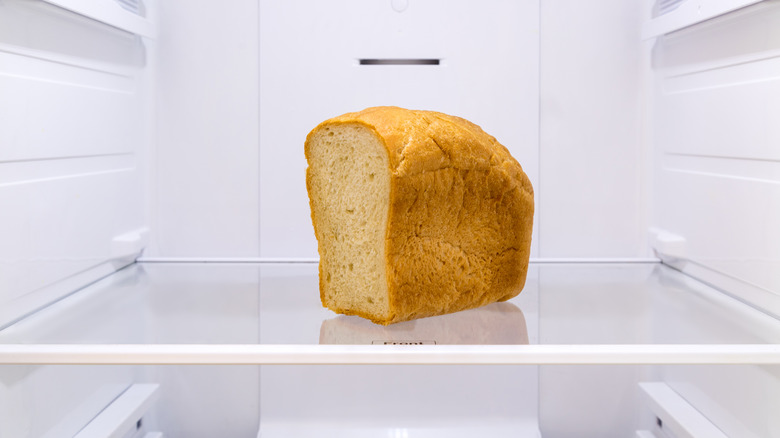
[(319, 60)]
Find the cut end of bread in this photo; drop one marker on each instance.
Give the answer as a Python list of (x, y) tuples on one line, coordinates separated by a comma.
[(348, 180)]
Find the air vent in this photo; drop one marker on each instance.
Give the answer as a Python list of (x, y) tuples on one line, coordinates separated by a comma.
[(399, 61), (413, 342), (663, 7), (134, 6)]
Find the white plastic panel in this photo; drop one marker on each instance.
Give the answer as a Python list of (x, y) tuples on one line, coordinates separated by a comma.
[(111, 12), (593, 401), (740, 400), (688, 13), (592, 202), (449, 428), (677, 415), (204, 401), (716, 103), (737, 400), (206, 196), (63, 35), (415, 401), (64, 111), (604, 401), (60, 227), (54, 401), (743, 213), (310, 71), (122, 417), (74, 138)]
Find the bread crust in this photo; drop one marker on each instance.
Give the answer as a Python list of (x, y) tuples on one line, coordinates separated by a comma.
[(460, 215)]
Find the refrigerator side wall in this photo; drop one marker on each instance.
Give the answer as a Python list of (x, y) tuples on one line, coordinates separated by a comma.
[(75, 135), (714, 92), (74, 138), (717, 152)]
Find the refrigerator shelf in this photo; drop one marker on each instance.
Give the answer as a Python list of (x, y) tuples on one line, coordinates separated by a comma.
[(269, 313), (150, 354)]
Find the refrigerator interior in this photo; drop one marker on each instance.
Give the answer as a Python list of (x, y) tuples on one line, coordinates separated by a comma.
[(158, 269)]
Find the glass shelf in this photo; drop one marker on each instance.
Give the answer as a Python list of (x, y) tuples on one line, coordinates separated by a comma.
[(270, 313)]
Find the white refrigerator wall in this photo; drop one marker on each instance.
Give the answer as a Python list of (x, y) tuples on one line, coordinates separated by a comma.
[(715, 92), (241, 85), (593, 196), (75, 126), (206, 194), (310, 71), (76, 120)]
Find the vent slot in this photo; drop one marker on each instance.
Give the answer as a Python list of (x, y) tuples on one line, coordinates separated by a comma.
[(134, 6), (397, 342), (663, 7), (400, 61)]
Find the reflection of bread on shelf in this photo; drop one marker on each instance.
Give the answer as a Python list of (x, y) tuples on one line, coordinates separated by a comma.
[(497, 323)]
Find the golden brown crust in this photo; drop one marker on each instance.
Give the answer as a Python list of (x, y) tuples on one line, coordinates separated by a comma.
[(460, 217)]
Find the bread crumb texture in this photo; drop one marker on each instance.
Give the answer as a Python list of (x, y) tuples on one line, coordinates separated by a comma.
[(416, 214)]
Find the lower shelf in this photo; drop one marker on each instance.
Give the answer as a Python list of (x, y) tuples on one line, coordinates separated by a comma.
[(756, 354)]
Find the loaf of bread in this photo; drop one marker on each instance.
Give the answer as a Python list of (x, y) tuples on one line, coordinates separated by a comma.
[(416, 214)]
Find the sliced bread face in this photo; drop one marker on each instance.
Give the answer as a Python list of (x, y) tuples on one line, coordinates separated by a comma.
[(348, 180)]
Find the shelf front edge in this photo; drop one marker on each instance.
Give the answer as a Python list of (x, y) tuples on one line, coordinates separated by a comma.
[(242, 354)]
